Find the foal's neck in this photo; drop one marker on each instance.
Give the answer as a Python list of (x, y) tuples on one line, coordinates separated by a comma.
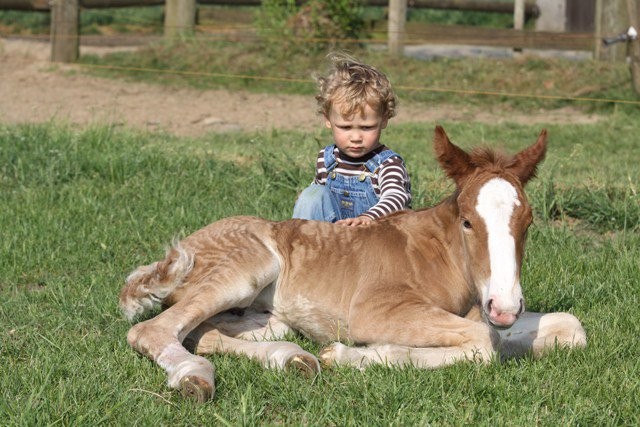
[(441, 227)]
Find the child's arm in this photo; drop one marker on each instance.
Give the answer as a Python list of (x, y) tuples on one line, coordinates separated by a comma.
[(321, 170), (395, 195)]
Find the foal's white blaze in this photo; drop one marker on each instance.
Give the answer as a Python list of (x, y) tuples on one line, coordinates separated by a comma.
[(502, 296)]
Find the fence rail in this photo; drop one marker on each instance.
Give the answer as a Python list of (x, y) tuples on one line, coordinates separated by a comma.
[(501, 37)]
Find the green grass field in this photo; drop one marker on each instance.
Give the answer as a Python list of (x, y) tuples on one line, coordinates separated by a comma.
[(83, 207)]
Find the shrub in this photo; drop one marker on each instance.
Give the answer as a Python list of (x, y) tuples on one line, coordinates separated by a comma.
[(316, 26)]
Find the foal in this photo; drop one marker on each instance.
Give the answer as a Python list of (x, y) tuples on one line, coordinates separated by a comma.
[(446, 289)]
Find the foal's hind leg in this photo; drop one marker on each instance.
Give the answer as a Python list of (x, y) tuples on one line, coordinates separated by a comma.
[(537, 332), (247, 335), (250, 324), (161, 338)]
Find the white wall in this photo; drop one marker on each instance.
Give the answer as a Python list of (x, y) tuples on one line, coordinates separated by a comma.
[(553, 15)]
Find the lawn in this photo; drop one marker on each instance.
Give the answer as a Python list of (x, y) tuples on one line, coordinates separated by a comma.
[(83, 207)]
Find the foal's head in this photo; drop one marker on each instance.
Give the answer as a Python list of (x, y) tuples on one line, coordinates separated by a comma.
[(493, 216)]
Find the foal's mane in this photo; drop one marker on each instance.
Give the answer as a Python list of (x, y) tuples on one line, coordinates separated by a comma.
[(489, 159)]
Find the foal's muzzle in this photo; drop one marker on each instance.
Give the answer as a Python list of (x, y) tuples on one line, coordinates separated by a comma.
[(502, 318)]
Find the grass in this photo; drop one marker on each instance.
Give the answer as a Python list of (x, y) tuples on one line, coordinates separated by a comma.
[(83, 207), (522, 84)]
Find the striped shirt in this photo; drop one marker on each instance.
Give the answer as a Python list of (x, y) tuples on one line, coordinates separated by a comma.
[(390, 181)]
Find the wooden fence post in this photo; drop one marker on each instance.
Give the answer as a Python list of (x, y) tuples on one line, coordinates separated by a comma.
[(518, 20), (179, 18), (611, 20), (597, 31), (633, 8), (518, 15), (396, 30), (65, 30)]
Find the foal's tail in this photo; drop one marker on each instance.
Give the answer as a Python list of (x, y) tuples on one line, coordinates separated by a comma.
[(148, 286)]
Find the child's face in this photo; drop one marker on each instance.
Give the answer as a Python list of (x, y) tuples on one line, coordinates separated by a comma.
[(358, 135)]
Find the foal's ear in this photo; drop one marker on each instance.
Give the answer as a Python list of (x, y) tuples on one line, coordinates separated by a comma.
[(525, 162), (453, 159)]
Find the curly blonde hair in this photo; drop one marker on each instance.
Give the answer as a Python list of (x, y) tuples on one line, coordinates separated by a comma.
[(354, 85)]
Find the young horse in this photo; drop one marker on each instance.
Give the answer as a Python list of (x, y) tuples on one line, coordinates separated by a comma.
[(425, 288)]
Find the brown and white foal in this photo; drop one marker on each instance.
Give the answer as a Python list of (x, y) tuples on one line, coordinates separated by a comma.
[(424, 288)]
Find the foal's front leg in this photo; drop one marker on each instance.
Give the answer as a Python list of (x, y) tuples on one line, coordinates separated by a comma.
[(536, 333), (412, 333)]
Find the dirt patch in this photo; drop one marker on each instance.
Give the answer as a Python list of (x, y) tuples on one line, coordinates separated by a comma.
[(34, 90)]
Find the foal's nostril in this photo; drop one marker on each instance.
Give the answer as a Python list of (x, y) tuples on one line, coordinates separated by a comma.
[(487, 306), (521, 310)]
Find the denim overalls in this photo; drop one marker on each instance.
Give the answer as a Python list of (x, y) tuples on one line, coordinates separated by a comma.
[(342, 196)]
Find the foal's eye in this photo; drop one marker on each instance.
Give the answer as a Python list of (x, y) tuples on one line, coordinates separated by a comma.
[(467, 224)]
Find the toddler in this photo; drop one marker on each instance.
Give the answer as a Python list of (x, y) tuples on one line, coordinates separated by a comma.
[(357, 178)]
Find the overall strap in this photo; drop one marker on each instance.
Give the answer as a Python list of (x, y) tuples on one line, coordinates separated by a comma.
[(330, 158), (375, 162)]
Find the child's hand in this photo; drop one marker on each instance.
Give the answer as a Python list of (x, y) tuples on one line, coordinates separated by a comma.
[(354, 222)]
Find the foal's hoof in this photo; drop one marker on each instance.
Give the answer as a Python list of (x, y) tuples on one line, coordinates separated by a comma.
[(196, 388), (328, 355), (307, 365)]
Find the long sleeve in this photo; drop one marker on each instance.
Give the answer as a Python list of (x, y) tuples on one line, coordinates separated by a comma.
[(394, 189)]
